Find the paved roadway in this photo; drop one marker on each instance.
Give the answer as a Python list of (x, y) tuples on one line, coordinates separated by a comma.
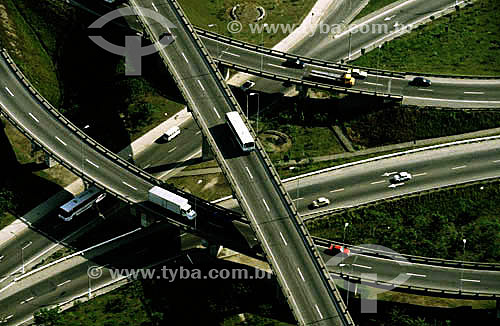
[(309, 293)]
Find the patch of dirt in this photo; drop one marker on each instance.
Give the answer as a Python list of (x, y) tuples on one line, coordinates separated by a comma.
[(276, 141), (247, 12), (6, 24)]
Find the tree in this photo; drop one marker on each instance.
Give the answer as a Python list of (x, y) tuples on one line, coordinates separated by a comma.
[(48, 317)]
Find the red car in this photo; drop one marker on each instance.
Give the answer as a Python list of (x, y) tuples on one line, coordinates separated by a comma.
[(342, 249)]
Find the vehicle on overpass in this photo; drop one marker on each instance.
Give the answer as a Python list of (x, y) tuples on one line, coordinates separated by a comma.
[(358, 73), (171, 201), (345, 79), (247, 85), (171, 133), (294, 63), (240, 131), (320, 202), (80, 203), (334, 248), (420, 81), (400, 177)]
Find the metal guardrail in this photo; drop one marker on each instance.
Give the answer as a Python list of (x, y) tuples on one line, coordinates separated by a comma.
[(328, 64), (265, 159)]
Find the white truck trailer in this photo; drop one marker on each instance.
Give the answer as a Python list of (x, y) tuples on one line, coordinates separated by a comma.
[(171, 201)]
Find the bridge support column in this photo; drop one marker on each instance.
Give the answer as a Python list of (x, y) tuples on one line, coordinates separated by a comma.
[(206, 152), (498, 309), (34, 148), (302, 91), (49, 161)]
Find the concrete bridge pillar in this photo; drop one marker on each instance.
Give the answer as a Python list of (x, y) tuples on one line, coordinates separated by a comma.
[(302, 91), (49, 161), (206, 152), (34, 148)]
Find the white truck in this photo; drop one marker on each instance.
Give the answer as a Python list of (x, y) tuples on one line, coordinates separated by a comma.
[(171, 201)]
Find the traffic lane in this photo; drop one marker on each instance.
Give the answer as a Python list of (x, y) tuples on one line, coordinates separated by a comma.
[(295, 271), (56, 136)]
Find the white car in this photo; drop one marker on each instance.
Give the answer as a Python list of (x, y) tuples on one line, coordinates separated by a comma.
[(320, 202), (401, 177), (356, 73), (247, 85)]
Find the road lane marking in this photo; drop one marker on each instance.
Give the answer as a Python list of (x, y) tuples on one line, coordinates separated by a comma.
[(61, 141), (266, 204), (251, 177), (361, 266), (301, 276), (65, 282), (97, 166), (29, 244), (3, 279), (468, 280), (129, 185), (420, 174), (319, 312), (199, 132), (236, 55), (377, 182), (218, 116), (184, 57), (6, 287), (8, 90), (337, 190), (201, 85), (156, 9), (8, 317), (277, 66), (497, 161), (1, 257), (34, 118), (27, 300), (283, 238), (474, 93), (374, 84), (298, 198), (418, 275), (173, 149), (425, 90), (459, 167), (146, 166)]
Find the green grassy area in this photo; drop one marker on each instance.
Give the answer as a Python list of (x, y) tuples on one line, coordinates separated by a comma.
[(204, 13), (22, 41), (372, 6), (431, 225), (207, 186), (465, 42), (398, 124)]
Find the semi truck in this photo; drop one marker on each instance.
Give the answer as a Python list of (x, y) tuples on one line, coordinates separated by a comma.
[(171, 201), (344, 79)]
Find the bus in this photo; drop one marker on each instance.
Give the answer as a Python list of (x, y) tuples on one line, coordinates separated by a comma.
[(80, 203), (240, 131), (171, 133)]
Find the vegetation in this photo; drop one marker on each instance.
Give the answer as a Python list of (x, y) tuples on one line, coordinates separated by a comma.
[(373, 5), (398, 124), (465, 42), (431, 225), (286, 12)]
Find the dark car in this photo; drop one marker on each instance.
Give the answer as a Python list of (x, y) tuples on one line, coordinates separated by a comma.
[(294, 63), (247, 85), (420, 81)]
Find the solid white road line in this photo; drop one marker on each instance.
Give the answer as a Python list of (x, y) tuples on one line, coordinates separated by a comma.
[(233, 54), (374, 84), (201, 85), (301, 276), (377, 182), (467, 280), (61, 141), (497, 161), (156, 9), (215, 110), (361, 266), (459, 167), (29, 244), (319, 312), (184, 57), (27, 300), (129, 185), (277, 66), (474, 93), (65, 282), (8, 90), (337, 190), (451, 100), (97, 166), (34, 118), (419, 275), (251, 177), (199, 132), (8, 286), (267, 207), (173, 149), (298, 198), (420, 174), (283, 238), (426, 90)]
